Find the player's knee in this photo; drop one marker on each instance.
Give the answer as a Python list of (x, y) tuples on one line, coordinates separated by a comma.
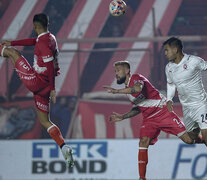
[(144, 141), (12, 53), (186, 139)]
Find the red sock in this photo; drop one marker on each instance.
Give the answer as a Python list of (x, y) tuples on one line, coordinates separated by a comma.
[(55, 133), (142, 161)]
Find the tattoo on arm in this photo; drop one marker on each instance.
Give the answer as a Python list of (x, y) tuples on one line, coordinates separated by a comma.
[(133, 90), (134, 111)]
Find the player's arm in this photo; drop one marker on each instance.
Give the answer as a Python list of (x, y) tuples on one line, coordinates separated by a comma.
[(171, 88), (56, 64), (48, 59), (51, 76), (23, 42), (200, 63), (115, 117), (129, 90)]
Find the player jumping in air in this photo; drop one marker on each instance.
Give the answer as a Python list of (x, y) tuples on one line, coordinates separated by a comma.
[(40, 79), (156, 117), (184, 74)]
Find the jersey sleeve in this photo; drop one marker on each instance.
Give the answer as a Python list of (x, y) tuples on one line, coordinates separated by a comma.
[(171, 88), (136, 79), (47, 56), (24, 42), (51, 74), (169, 80), (200, 63)]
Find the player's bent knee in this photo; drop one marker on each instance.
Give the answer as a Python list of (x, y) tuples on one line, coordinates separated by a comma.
[(12, 53), (188, 141), (144, 142), (186, 138)]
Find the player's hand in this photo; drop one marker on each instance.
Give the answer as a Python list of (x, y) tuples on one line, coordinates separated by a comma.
[(6, 43), (111, 90), (169, 106), (115, 117), (53, 96)]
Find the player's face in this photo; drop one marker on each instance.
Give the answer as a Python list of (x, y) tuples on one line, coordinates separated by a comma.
[(35, 26), (170, 52), (120, 74)]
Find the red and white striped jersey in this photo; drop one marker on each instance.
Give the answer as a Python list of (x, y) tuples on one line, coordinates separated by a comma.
[(149, 100), (45, 56)]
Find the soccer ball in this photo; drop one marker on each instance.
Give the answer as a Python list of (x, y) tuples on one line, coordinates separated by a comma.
[(117, 7)]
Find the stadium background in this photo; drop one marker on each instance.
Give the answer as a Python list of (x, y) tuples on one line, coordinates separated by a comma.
[(90, 40)]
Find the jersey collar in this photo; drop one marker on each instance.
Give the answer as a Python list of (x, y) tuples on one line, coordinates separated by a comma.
[(42, 34), (183, 59)]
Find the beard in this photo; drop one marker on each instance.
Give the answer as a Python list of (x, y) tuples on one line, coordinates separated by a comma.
[(121, 80)]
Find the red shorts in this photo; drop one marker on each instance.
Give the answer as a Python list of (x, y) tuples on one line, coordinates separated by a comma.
[(34, 84), (165, 121)]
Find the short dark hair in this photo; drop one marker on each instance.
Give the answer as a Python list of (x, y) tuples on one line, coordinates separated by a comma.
[(41, 18), (174, 42), (122, 63)]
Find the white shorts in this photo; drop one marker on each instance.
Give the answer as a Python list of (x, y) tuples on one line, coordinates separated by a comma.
[(194, 117)]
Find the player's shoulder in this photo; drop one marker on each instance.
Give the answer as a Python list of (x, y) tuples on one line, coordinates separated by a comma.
[(169, 66), (47, 36), (134, 78), (194, 59), (50, 35), (47, 40), (137, 76)]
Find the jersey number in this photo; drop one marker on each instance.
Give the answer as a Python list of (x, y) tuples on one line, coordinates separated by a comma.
[(204, 117), (25, 67)]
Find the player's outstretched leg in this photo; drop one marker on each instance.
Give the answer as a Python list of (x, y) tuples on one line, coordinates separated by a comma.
[(10, 52), (55, 133), (186, 138)]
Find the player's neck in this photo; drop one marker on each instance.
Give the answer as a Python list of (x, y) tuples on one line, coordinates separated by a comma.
[(127, 80), (41, 31), (179, 58)]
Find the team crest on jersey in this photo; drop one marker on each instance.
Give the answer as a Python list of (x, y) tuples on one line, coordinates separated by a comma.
[(184, 66)]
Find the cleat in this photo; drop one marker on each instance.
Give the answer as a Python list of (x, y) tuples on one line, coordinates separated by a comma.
[(68, 155)]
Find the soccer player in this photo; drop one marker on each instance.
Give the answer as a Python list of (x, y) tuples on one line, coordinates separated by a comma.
[(40, 79), (156, 117), (184, 74)]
